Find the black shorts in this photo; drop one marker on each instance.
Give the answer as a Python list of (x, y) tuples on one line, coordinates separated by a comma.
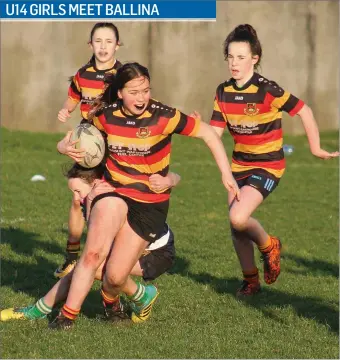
[(261, 180), (156, 262), (146, 219)]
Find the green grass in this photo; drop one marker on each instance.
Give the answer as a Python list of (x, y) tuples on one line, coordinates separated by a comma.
[(197, 314)]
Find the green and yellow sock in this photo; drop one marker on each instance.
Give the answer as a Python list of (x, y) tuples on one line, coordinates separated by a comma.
[(39, 310), (140, 296)]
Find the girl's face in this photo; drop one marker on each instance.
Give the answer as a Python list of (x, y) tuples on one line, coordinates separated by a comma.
[(240, 61), (135, 95), (80, 188), (104, 45)]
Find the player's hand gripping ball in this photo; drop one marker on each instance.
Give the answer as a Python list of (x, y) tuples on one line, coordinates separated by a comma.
[(92, 142)]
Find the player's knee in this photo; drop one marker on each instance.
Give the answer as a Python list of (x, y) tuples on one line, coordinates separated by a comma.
[(115, 279), (238, 221)]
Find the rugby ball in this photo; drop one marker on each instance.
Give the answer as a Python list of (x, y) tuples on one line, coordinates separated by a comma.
[(92, 141)]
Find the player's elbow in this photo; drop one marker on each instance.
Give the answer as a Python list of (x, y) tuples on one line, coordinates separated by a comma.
[(205, 132), (209, 136)]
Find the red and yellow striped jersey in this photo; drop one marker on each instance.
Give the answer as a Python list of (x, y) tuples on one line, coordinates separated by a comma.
[(141, 146), (87, 85), (253, 114)]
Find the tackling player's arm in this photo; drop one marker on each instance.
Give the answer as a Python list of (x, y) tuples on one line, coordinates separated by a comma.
[(174, 179)]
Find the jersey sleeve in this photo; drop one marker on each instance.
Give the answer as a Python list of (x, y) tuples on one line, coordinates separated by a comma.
[(74, 91), (182, 124), (218, 118), (283, 100), (99, 121)]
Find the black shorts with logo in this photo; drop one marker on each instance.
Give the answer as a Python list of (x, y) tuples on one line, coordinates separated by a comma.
[(146, 219), (156, 262), (261, 180)]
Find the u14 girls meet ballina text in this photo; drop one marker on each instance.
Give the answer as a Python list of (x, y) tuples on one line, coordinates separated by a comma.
[(81, 9)]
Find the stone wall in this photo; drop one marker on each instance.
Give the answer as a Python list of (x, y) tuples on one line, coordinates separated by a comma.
[(299, 39)]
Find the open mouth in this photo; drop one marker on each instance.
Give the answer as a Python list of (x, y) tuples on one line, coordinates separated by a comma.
[(140, 107)]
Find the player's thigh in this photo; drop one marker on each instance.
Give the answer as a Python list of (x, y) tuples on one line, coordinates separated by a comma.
[(126, 250), (106, 218)]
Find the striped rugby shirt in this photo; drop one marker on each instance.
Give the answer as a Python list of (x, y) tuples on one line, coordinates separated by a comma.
[(253, 114), (88, 84), (140, 146)]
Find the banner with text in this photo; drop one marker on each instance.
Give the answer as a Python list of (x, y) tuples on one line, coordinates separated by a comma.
[(166, 10)]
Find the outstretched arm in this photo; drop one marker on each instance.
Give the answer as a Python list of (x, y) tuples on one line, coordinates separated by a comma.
[(312, 132)]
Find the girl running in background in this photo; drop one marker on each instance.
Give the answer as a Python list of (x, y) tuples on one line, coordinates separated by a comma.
[(251, 107)]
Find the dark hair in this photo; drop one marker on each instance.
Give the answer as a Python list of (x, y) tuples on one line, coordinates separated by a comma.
[(128, 72), (113, 83), (244, 33), (88, 175), (95, 27), (105, 25)]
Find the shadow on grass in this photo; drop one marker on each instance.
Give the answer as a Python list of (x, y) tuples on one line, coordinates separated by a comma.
[(269, 299), (180, 266), (33, 274), (308, 266), (25, 243), (35, 278), (27, 272)]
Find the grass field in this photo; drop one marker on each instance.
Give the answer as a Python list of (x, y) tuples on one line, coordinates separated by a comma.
[(197, 314)]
